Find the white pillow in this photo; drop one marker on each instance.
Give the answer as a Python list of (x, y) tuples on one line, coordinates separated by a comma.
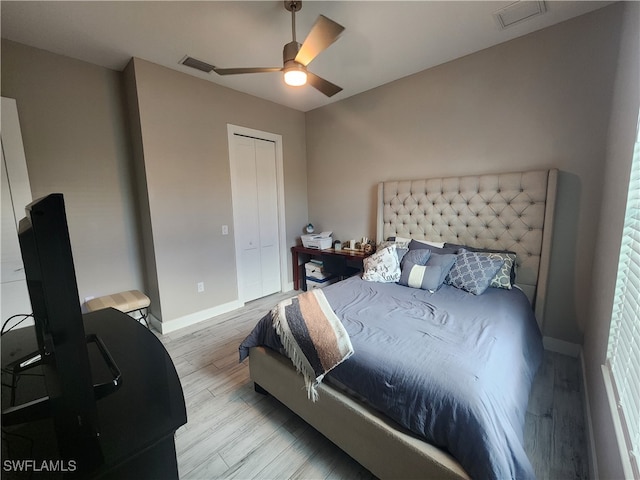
[(402, 242), (399, 242), (433, 244), (383, 266)]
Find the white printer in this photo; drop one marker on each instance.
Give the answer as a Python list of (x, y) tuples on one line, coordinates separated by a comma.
[(320, 241)]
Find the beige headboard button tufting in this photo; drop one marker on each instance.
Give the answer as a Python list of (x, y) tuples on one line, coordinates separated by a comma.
[(508, 211)]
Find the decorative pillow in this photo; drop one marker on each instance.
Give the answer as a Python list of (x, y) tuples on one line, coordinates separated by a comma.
[(488, 250), (418, 257), (399, 241), (401, 251), (430, 243), (382, 266), (401, 247), (404, 242), (473, 271), (415, 245), (502, 279), (422, 276), (444, 262)]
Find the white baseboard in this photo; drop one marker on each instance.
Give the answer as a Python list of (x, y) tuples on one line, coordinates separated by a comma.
[(154, 322), (193, 318), (591, 445), (560, 346), (197, 317)]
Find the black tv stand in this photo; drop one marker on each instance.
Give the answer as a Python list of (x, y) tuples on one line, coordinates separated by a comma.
[(139, 400), (40, 408)]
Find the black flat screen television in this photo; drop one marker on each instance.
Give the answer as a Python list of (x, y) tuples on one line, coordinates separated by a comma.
[(62, 344)]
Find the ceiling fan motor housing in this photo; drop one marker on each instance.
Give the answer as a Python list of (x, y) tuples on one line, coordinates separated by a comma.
[(295, 73), (290, 51)]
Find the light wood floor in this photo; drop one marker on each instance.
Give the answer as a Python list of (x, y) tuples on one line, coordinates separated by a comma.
[(233, 432)]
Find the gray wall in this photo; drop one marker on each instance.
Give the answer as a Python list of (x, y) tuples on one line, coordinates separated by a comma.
[(72, 117), (76, 131), (621, 138), (185, 155), (535, 102)]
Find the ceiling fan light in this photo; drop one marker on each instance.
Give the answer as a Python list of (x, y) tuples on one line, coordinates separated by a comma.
[(295, 77)]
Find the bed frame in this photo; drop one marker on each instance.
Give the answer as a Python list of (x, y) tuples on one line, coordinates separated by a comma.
[(512, 211)]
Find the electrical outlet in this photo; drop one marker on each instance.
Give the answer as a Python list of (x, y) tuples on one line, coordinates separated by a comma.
[(225, 229), (200, 287)]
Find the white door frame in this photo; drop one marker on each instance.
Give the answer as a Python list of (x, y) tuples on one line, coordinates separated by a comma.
[(282, 239)]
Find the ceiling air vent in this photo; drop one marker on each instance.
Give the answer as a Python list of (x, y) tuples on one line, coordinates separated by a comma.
[(197, 64), (519, 12)]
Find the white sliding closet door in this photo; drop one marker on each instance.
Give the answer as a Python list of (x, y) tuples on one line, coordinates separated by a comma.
[(268, 216), (255, 212)]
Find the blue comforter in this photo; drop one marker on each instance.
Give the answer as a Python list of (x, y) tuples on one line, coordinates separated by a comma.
[(451, 367)]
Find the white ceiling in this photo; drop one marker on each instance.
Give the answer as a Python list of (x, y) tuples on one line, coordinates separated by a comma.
[(383, 40)]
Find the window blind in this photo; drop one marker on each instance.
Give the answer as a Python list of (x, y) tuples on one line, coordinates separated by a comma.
[(623, 354)]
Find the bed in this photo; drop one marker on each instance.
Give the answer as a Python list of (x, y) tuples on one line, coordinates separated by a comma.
[(488, 358)]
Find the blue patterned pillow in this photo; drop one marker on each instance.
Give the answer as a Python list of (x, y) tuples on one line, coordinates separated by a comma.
[(473, 271), (509, 262), (503, 277)]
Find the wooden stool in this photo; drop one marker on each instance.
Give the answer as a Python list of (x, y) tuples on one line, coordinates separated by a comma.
[(126, 302)]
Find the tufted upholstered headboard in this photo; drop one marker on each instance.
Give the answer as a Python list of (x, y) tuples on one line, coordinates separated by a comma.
[(507, 211)]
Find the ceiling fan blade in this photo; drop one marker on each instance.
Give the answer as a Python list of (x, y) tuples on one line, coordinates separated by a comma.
[(236, 71), (324, 86), (323, 33)]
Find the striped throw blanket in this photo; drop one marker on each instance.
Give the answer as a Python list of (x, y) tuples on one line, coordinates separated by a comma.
[(312, 336)]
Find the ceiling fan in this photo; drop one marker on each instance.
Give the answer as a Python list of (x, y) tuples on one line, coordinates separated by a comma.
[(296, 57)]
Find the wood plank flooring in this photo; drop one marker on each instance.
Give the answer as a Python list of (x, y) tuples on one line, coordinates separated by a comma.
[(235, 433)]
